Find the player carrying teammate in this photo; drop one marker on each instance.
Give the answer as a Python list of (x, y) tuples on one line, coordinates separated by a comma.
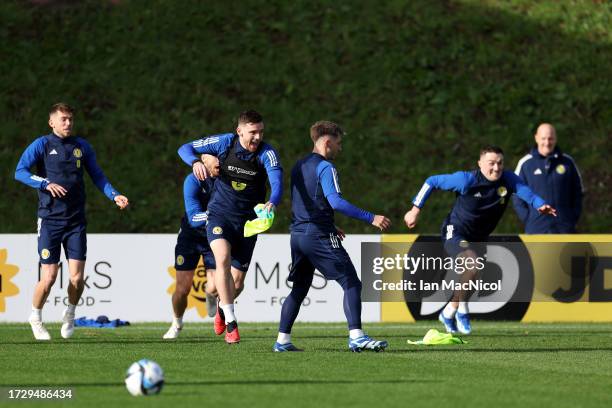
[(316, 241), (482, 197), (246, 163), (192, 243), (60, 159)]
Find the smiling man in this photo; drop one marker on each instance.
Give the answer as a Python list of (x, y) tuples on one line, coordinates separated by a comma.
[(482, 197), (60, 159), (246, 164)]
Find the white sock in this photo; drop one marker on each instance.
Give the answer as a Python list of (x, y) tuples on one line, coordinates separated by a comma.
[(228, 311), (177, 321), (283, 338), (356, 333), (71, 308), (449, 311), (463, 308), (36, 314)]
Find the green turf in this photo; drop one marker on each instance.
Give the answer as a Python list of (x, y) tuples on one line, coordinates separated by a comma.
[(504, 364)]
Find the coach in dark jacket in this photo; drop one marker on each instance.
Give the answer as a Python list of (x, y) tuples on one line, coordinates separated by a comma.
[(554, 176)]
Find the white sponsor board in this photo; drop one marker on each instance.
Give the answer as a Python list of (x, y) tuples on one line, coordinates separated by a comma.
[(131, 277)]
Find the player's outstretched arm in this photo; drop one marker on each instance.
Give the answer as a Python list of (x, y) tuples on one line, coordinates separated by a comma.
[(98, 177), (331, 189), (527, 195)]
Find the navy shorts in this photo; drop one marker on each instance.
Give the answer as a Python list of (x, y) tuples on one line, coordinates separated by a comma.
[(323, 252), (232, 230), (51, 237), (456, 242), (190, 245)]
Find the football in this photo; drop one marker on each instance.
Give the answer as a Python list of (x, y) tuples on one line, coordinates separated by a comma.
[(144, 377)]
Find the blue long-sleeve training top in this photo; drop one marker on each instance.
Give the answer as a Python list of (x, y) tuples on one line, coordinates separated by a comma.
[(480, 203), (241, 184), (316, 194), (61, 161), (197, 194)]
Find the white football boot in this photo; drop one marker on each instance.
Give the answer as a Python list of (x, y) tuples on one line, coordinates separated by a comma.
[(38, 329), (67, 329), (173, 332)]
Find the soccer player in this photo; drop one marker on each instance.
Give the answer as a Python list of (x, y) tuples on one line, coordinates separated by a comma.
[(192, 243), (482, 197), (553, 175), (246, 163), (316, 241), (60, 159)]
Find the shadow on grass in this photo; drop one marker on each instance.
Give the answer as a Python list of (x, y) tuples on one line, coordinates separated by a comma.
[(499, 350), (226, 382)]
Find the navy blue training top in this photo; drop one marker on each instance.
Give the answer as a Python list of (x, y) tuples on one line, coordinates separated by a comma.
[(61, 161), (315, 194), (480, 203)]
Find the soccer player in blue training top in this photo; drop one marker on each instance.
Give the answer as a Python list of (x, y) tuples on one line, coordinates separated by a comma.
[(315, 240), (246, 163), (554, 175), (60, 159), (482, 197), (192, 243)]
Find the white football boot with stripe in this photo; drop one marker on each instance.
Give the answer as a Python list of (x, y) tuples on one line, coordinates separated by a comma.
[(366, 343)]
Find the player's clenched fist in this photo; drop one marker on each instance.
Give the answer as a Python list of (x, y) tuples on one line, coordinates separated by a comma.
[(121, 201), (411, 217)]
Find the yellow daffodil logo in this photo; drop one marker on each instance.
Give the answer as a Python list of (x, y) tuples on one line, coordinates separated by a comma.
[(44, 254), (502, 191), (217, 230), (7, 288), (77, 153), (197, 296), (560, 169)]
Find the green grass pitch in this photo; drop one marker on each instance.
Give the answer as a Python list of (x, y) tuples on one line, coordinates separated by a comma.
[(504, 364)]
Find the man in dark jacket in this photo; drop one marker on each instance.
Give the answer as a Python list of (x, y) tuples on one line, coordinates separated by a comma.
[(554, 176)]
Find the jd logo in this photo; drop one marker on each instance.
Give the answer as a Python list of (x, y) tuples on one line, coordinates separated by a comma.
[(584, 267), (7, 288), (507, 260)]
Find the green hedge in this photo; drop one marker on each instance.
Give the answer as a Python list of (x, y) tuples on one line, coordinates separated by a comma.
[(419, 86)]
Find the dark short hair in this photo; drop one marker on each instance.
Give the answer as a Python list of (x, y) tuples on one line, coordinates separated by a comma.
[(491, 149), (61, 107), (325, 128), (249, 116)]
